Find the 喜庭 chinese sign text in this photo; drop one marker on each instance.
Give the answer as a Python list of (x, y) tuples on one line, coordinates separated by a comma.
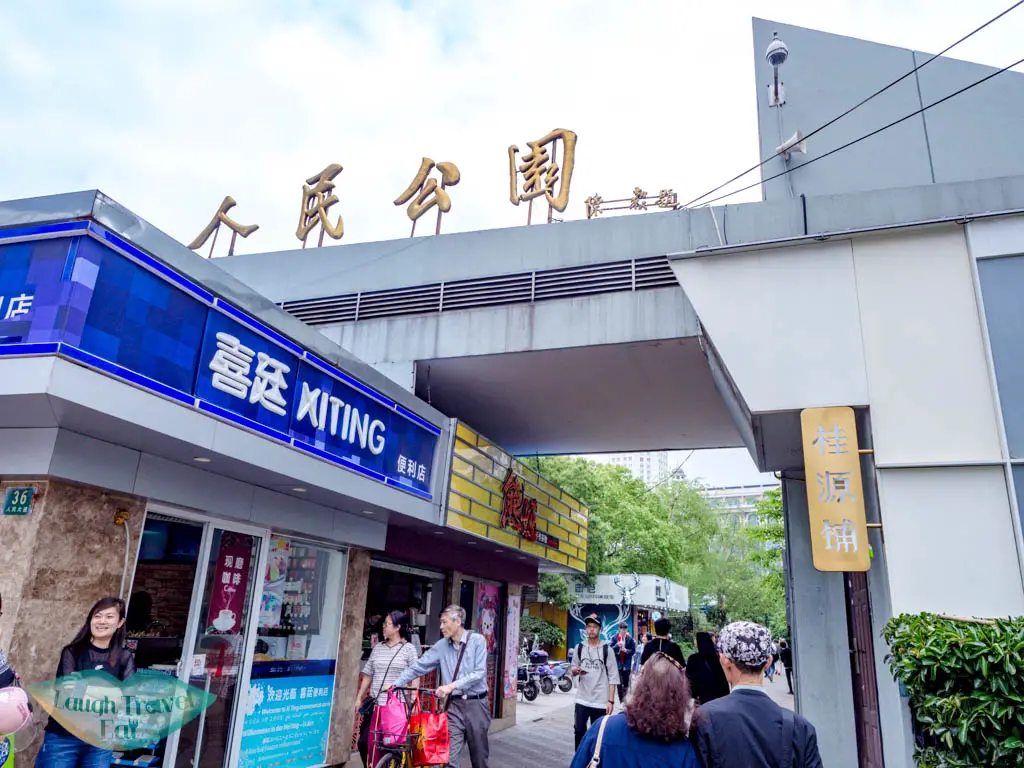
[(835, 493), (110, 312)]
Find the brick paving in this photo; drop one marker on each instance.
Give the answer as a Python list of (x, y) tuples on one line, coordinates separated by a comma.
[(546, 742), (543, 738)]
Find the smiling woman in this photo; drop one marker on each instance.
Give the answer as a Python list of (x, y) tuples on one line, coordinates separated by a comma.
[(99, 645)]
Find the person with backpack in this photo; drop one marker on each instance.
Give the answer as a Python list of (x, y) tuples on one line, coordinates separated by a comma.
[(596, 669), (746, 727), (662, 643)]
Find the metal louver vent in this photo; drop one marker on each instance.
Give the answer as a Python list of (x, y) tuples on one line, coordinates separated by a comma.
[(543, 285)]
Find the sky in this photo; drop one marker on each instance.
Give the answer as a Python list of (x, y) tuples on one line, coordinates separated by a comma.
[(169, 105)]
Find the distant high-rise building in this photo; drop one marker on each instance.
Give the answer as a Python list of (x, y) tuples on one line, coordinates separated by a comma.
[(649, 467), (738, 502)]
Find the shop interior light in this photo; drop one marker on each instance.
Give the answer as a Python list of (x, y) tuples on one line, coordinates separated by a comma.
[(438, 533), (202, 459), (367, 512), (299, 490)]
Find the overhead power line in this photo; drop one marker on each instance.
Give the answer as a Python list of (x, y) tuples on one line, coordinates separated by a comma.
[(859, 104), (672, 474), (875, 132)]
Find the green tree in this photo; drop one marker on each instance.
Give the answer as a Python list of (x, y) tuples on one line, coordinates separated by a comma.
[(664, 531), (548, 635), (553, 588), (769, 537)]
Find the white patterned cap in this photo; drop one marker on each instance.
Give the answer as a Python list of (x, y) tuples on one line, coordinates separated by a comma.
[(747, 643)]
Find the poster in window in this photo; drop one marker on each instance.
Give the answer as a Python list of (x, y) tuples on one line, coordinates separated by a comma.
[(488, 600), (273, 585), (511, 646)]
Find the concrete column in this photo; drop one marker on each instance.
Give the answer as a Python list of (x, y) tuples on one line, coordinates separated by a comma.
[(821, 644), (350, 648), (893, 711), (55, 563)]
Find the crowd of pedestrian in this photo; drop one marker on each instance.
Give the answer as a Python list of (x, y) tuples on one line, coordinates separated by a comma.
[(708, 711), (711, 711)]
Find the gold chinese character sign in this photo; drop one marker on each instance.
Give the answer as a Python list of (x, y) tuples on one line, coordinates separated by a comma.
[(667, 199), (835, 490), (221, 217), (317, 196), (428, 193), (541, 172)]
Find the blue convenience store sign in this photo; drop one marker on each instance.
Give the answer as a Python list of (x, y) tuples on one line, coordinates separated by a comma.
[(81, 292)]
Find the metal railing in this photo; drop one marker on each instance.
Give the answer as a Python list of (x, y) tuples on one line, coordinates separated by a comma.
[(480, 292)]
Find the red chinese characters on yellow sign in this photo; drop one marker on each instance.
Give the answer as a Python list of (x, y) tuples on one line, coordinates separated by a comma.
[(517, 511)]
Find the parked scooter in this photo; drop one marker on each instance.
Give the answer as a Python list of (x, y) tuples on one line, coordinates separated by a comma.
[(556, 674), (539, 661), (528, 683), (561, 677)]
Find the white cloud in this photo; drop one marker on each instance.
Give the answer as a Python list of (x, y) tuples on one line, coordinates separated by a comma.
[(168, 106)]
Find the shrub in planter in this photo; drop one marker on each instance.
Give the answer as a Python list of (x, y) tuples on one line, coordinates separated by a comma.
[(548, 635), (965, 680)]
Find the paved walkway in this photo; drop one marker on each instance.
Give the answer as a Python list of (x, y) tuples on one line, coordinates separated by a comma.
[(542, 736)]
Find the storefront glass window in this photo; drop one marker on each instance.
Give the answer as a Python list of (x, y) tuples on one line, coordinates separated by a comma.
[(292, 683), (419, 594)]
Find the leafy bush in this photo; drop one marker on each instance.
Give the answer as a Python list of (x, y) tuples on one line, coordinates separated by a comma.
[(965, 680), (553, 588), (549, 635)]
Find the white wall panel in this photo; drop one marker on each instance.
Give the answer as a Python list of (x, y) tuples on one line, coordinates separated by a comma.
[(784, 321), (996, 237), (949, 542), (931, 395)]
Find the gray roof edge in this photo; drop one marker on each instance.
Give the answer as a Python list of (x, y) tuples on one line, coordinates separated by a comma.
[(105, 211), (852, 212)]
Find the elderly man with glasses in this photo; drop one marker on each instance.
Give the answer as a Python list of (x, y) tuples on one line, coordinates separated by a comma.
[(461, 655)]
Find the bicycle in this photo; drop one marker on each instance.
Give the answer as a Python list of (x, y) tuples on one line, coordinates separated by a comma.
[(400, 755)]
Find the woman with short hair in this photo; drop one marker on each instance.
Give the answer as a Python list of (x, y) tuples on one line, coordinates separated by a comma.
[(653, 730)]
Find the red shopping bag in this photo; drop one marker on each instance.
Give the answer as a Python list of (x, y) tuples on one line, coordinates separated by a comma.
[(431, 726)]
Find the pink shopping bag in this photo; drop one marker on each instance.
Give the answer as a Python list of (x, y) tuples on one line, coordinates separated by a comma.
[(393, 721)]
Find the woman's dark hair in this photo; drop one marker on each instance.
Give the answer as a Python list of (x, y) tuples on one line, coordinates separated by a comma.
[(400, 622), (706, 644), (661, 707), (81, 641), (662, 626)]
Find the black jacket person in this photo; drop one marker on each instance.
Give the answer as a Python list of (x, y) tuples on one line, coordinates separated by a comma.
[(746, 728)]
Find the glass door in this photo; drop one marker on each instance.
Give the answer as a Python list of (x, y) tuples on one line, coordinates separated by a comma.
[(220, 642)]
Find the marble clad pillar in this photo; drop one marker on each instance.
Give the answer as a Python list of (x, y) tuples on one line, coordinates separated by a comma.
[(54, 564), (350, 649)]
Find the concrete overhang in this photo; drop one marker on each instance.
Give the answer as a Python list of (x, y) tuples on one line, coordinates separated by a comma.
[(94, 205), (67, 421), (640, 396)]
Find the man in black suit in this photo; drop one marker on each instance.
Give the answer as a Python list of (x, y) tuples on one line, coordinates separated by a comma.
[(746, 728)]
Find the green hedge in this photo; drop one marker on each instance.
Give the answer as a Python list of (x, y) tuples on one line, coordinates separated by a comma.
[(549, 635), (965, 680)]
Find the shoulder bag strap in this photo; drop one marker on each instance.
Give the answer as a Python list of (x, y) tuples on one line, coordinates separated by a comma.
[(787, 739), (458, 665), (595, 761), (383, 680), (462, 652)]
